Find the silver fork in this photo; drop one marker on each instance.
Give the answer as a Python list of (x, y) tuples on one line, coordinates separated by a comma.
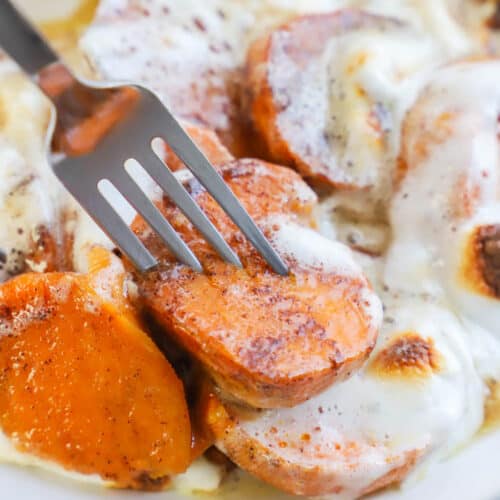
[(143, 118)]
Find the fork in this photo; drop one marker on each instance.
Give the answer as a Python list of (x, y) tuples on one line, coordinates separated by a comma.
[(140, 118)]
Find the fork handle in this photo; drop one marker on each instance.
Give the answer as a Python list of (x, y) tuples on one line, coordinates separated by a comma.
[(21, 40)]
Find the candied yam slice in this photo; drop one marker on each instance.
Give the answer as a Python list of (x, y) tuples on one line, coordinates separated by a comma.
[(288, 95), (420, 396), (83, 387), (267, 340), (295, 458)]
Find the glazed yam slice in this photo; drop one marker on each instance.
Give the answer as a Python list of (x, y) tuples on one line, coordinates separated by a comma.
[(83, 388), (418, 394), (289, 96), (266, 340)]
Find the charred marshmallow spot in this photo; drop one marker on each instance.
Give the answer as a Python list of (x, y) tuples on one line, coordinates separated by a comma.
[(492, 406), (408, 356), (481, 261), (487, 246)]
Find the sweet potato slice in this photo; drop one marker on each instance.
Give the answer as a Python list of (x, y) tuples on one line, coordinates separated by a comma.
[(83, 387), (271, 453), (266, 340), (287, 83), (419, 394)]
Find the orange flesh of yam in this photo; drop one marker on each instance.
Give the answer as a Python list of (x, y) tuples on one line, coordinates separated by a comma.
[(83, 387), (266, 340)]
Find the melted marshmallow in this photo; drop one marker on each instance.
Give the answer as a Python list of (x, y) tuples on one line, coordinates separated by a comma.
[(372, 74), (451, 188), (364, 427), (28, 188)]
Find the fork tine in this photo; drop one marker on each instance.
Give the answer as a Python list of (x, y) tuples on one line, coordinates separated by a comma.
[(195, 160), (135, 196), (112, 224), (176, 191)]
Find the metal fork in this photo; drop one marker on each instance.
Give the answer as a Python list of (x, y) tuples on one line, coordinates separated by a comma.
[(143, 118)]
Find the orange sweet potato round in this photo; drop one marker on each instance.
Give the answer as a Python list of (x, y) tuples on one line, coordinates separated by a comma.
[(83, 387), (286, 101)]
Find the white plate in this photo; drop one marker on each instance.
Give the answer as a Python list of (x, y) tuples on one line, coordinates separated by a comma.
[(473, 474)]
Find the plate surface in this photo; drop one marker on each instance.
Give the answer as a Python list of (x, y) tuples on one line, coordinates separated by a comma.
[(472, 474)]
